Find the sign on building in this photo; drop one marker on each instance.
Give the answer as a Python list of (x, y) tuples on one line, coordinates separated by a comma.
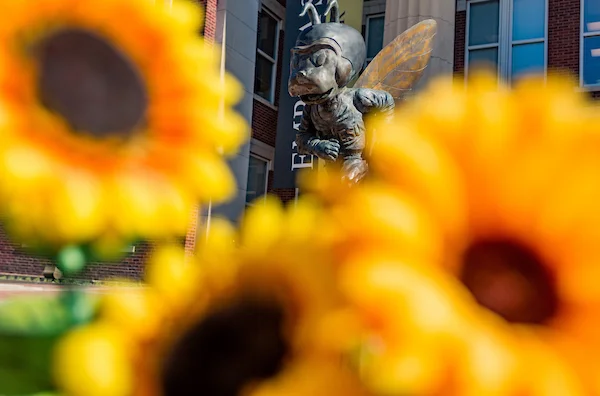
[(287, 159)]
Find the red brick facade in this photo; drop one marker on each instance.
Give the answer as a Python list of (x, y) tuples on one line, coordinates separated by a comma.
[(210, 19), (16, 260), (564, 30), (209, 30), (459, 42)]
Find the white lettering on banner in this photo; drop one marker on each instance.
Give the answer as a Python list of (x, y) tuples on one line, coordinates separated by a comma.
[(298, 114), (299, 160), (297, 110)]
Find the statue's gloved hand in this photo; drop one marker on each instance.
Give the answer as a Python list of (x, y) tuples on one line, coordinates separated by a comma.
[(354, 170), (328, 149)]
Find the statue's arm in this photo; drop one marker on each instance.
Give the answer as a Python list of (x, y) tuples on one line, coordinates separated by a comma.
[(306, 137), (369, 101), (309, 143)]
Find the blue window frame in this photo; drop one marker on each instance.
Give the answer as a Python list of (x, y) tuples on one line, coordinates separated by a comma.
[(590, 43), (508, 36), (374, 35)]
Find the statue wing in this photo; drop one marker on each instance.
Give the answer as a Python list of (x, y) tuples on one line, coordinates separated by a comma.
[(398, 67)]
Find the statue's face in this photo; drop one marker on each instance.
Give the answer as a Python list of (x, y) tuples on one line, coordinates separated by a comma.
[(313, 74)]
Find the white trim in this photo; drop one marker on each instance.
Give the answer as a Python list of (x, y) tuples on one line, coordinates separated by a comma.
[(528, 41), (271, 59), (483, 46), (267, 170), (267, 56), (264, 101), (583, 35), (275, 7), (128, 249), (505, 42), (262, 149), (367, 20)]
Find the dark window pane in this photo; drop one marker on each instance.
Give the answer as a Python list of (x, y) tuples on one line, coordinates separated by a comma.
[(375, 36), (529, 19), (484, 23), (257, 179), (592, 15), (267, 34), (263, 75), (591, 60), (527, 59), (484, 58)]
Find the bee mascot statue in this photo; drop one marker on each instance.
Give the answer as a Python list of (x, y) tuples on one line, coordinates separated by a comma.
[(327, 57)]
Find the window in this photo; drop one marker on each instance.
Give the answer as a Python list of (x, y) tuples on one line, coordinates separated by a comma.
[(374, 35), (590, 43), (258, 175), (507, 35), (267, 44)]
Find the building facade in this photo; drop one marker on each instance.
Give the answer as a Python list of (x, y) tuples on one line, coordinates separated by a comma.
[(514, 37), (520, 37)]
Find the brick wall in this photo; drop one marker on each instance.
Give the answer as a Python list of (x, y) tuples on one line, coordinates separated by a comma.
[(210, 19), (208, 31), (15, 259), (459, 42), (264, 123), (563, 35)]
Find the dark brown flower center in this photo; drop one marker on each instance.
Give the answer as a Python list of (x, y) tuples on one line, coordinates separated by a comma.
[(232, 346), (511, 280), (92, 85)]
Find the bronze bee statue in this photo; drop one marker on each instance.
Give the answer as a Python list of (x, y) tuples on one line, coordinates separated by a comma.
[(329, 56)]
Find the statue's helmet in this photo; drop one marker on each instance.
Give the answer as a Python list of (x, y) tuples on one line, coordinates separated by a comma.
[(345, 40)]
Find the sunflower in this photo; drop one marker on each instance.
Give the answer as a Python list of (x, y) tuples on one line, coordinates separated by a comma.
[(241, 320), (411, 328), (114, 119), (509, 177)]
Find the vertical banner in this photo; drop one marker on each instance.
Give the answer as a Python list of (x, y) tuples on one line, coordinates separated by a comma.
[(287, 159)]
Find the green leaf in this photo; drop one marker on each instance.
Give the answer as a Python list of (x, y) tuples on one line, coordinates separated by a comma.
[(29, 329), (33, 316), (26, 364), (41, 316), (71, 259)]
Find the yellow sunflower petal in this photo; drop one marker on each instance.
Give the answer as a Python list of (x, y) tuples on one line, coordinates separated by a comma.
[(170, 275), (93, 361), (262, 225)]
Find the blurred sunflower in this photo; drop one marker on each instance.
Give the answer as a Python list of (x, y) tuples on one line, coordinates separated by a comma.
[(509, 176), (410, 328), (111, 129), (424, 336), (240, 322)]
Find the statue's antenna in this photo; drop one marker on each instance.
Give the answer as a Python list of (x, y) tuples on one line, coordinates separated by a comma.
[(313, 14), (332, 5)]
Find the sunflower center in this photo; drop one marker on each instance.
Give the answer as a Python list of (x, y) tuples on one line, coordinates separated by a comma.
[(511, 280), (88, 82), (232, 346)]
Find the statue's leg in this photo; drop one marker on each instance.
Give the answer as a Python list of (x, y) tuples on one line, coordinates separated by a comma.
[(354, 169)]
